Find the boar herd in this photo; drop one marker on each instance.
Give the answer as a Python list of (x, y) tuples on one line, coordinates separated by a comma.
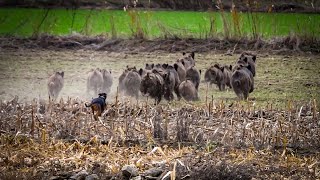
[(239, 77), (181, 79)]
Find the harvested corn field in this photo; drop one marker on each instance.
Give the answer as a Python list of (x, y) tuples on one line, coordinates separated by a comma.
[(209, 141)]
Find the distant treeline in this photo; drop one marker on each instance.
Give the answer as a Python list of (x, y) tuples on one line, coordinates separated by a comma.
[(312, 6)]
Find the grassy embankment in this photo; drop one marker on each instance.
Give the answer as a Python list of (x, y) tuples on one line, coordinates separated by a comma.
[(154, 24)]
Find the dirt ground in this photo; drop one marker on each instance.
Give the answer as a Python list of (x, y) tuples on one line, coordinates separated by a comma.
[(24, 72)]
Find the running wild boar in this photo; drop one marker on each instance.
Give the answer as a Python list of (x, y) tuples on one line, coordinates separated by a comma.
[(188, 91), (55, 84), (94, 81), (152, 84), (242, 81)]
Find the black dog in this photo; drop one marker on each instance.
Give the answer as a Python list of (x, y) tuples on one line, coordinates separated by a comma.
[(98, 104)]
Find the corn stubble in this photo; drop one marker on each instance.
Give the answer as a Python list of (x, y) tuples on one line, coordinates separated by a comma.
[(40, 135)]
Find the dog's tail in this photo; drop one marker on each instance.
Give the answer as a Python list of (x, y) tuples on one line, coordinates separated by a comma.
[(88, 105)]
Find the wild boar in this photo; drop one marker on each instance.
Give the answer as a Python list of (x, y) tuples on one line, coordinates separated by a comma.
[(149, 66), (107, 81), (242, 81), (55, 84), (214, 75), (94, 81), (122, 76), (132, 83), (227, 73), (187, 60), (248, 58), (181, 70), (188, 91), (152, 85), (193, 75), (171, 82)]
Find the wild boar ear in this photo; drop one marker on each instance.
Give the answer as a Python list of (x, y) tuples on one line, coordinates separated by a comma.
[(222, 68), (140, 71), (147, 65), (109, 71), (183, 53), (182, 62), (200, 71), (249, 67), (254, 58), (165, 75), (152, 65), (62, 73), (165, 66), (175, 66), (192, 55), (230, 67)]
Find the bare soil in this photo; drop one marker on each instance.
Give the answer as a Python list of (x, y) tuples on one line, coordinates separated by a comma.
[(24, 71)]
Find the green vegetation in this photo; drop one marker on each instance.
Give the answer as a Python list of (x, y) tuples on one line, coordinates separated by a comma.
[(154, 24)]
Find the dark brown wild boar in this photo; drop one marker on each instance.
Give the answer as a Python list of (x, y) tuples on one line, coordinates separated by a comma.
[(248, 58), (171, 82), (214, 75), (188, 91), (94, 81), (193, 75), (242, 81), (55, 84), (152, 85)]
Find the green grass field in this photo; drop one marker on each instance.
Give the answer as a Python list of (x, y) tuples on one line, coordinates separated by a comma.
[(154, 24)]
